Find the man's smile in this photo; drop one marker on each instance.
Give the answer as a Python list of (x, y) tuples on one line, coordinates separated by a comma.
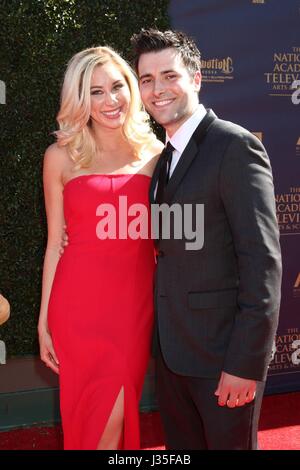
[(162, 103)]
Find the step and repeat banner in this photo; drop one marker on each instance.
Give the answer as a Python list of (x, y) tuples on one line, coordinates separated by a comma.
[(251, 76)]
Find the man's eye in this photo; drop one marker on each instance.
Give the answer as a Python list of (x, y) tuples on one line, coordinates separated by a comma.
[(170, 77)]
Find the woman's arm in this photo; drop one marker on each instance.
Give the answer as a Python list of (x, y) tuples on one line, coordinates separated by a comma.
[(53, 192)]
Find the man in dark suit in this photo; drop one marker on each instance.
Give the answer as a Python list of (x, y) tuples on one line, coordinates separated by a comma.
[(216, 306)]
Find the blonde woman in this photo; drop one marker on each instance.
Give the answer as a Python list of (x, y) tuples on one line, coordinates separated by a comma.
[(96, 311)]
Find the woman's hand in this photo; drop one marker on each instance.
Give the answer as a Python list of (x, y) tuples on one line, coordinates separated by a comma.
[(64, 240), (47, 352)]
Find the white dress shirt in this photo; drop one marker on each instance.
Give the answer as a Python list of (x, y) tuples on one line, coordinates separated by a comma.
[(182, 136)]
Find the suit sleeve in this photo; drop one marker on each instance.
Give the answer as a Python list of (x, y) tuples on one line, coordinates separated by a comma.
[(247, 192)]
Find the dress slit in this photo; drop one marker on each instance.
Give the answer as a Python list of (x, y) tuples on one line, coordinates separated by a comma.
[(120, 442)]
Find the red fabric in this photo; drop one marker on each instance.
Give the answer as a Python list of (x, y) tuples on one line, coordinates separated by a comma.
[(101, 311)]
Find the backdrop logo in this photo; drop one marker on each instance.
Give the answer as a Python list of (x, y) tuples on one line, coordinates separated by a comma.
[(287, 354), (217, 70), (296, 94), (261, 2), (2, 92), (288, 211), (297, 287), (298, 148), (259, 135), (285, 74)]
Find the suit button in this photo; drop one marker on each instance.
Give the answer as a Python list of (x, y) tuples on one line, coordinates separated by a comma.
[(161, 253)]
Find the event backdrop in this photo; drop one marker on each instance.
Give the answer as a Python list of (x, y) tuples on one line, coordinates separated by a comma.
[(251, 76)]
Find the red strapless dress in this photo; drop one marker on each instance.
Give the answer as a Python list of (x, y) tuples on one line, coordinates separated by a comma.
[(100, 311)]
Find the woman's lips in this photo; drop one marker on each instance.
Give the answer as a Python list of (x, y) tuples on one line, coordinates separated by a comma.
[(112, 114)]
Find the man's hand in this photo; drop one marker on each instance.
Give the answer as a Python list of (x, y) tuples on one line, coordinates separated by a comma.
[(235, 391), (64, 240)]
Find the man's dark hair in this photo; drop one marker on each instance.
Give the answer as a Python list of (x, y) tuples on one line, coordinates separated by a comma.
[(153, 40)]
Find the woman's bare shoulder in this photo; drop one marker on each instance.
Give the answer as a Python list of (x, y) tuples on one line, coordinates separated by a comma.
[(55, 152), (157, 148), (154, 155), (56, 161)]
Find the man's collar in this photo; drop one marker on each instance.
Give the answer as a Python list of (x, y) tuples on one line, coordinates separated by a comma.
[(182, 136)]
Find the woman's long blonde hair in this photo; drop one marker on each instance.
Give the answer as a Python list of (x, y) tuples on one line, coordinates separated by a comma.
[(74, 115)]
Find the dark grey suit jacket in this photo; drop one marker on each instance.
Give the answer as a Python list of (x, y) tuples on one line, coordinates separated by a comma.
[(217, 307)]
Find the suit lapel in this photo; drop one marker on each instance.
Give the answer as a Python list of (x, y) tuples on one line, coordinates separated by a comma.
[(185, 160), (189, 154)]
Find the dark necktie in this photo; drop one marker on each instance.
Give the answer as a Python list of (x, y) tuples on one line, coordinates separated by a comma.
[(163, 177)]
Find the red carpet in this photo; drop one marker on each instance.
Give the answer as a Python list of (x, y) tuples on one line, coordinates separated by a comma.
[(279, 429)]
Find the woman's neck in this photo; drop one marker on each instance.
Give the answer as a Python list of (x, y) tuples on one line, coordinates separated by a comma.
[(109, 140)]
